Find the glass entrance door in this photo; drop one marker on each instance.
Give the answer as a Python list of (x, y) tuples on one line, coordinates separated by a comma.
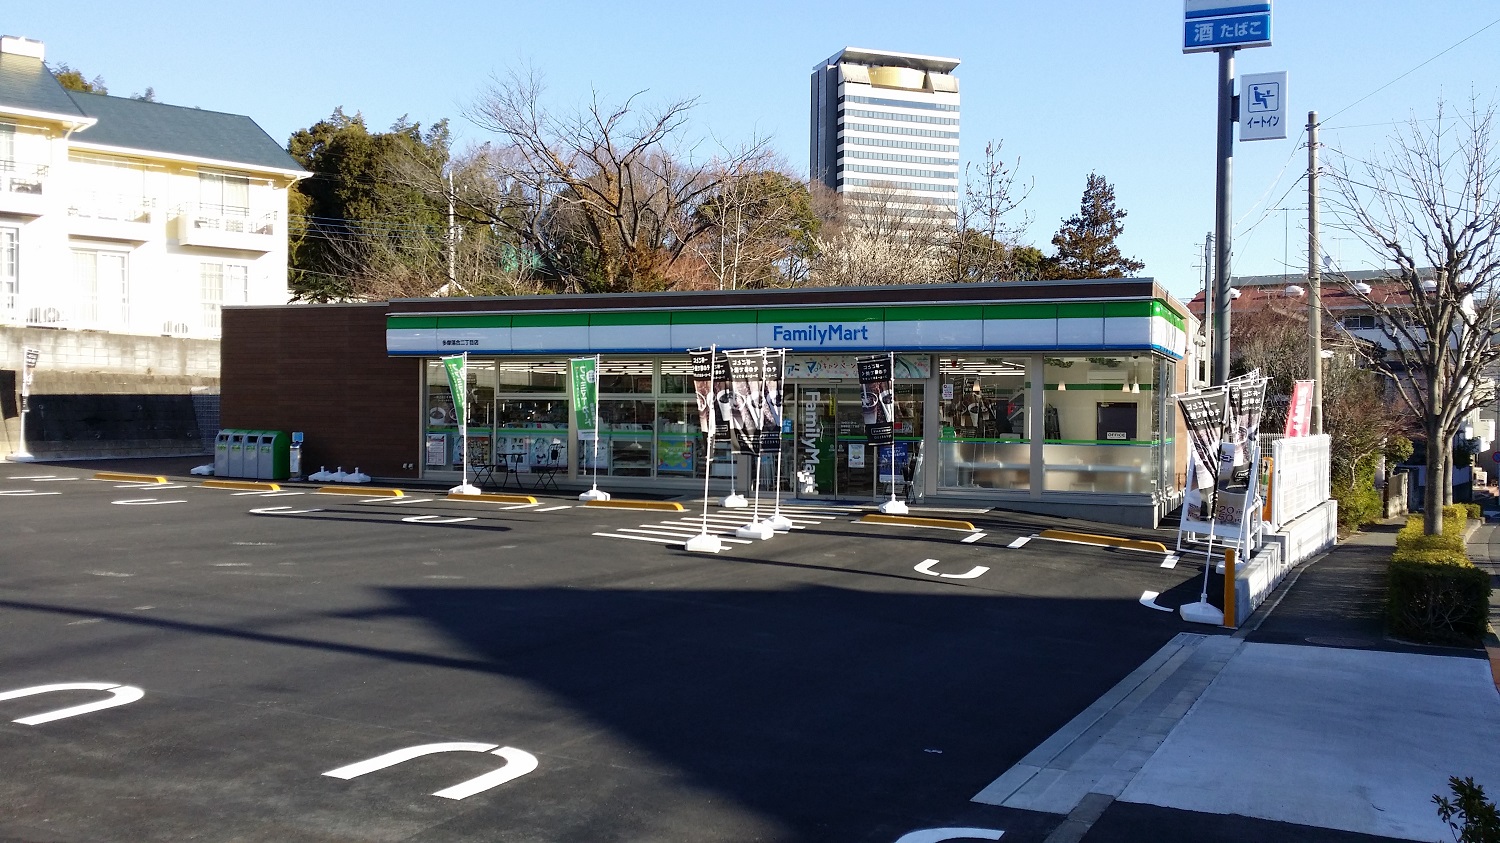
[(831, 457)]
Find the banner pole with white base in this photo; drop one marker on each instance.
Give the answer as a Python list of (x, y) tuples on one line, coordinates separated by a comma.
[(705, 542), (591, 378)]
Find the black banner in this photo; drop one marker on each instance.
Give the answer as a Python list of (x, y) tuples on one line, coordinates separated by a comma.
[(770, 425), (703, 387), (878, 398), (1203, 414), (747, 399)]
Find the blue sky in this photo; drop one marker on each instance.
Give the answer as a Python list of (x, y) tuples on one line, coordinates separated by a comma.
[(1069, 87)]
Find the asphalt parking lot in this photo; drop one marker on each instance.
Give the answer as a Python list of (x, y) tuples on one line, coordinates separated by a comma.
[(532, 673)]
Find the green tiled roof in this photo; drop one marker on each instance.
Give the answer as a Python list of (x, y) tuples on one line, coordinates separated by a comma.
[(27, 85), (173, 129)]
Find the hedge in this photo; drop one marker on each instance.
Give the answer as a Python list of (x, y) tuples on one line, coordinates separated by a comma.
[(1434, 594), (1434, 598)]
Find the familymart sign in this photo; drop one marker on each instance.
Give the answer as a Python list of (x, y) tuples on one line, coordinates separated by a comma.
[(1063, 326)]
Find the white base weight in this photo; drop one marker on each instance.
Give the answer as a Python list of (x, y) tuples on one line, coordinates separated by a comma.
[(594, 495), (755, 530), (894, 508), (704, 543), (1202, 612), (735, 501), (780, 523), (21, 456), (464, 489)]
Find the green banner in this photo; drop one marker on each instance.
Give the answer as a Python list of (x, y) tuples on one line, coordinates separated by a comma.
[(458, 385), (585, 377)]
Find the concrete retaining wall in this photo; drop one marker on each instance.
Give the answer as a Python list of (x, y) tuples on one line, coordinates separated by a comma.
[(1295, 543), (97, 394)]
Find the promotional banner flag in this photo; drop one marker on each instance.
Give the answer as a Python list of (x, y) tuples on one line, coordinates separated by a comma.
[(723, 392), (878, 401), (1203, 415), (32, 356), (747, 377), (703, 387), (584, 372), (1299, 414), (458, 385), (770, 425)]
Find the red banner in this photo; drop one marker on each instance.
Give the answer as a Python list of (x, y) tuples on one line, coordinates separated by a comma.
[(1299, 412)]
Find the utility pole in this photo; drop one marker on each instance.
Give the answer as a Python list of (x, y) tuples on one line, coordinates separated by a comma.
[(1208, 304), (1314, 276), (452, 241), (1223, 185)]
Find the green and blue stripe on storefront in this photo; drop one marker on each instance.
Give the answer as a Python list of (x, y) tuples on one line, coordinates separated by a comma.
[(1060, 326)]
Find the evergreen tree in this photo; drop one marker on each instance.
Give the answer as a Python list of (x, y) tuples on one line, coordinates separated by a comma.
[(1086, 246), (73, 80)]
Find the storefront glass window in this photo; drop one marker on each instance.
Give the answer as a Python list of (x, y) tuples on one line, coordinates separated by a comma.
[(532, 376), (627, 445), (443, 449), (625, 377), (984, 442), (532, 432), (676, 377), (679, 441), (1101, 425)]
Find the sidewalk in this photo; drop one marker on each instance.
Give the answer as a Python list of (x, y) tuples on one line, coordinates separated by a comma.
[(1308, 715)]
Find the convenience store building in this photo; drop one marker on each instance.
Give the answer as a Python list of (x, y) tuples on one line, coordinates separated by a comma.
[(1040, 396)]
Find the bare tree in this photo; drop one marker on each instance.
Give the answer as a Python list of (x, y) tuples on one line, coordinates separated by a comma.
[(984, 242), (879, 236), (604, 196), (1429, 206), (757, 227)]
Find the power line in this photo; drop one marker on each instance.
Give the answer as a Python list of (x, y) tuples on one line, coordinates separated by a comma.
[(1413, 70)]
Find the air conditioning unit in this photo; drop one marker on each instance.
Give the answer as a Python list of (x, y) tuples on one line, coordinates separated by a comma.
[(1116, 376), (173, 329)]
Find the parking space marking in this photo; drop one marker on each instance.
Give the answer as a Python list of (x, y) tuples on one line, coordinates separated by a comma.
[(1171, 561), (51, 479), (657, 539), (937, 835), (402, 501), (30, 476), (518, 763), (970, 539), (555, 508), (437, 519), (266, 494), (119, 695), (281, 510), (1148, 599), (682, 534), (143, 502), (150, 486), (25, 493), (1020, 542), (926, 565)]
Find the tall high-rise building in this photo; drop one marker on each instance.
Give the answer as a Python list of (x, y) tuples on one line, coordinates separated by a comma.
[(885, 126)]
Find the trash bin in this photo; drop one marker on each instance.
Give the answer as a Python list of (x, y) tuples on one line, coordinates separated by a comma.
[(221, 453), (274, 462), (236, 453), (294, 454), (250, 469)]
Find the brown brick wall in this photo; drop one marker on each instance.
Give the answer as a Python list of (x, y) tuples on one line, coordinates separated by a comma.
[(323, 370)]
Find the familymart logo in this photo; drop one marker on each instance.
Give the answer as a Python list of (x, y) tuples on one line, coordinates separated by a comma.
[(813, 334)]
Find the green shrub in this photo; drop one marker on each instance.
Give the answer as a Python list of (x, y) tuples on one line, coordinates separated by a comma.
[(1456, 511), (1411, 537), (1480, 820), (1475, 512), (1359, 500), (1397, 449), (1434, 598)]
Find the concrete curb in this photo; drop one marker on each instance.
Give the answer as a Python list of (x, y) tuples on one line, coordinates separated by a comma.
[(491, 498), (127, 477), (1103, 541), (664, 506), (359, 491), (242, 485), (915, 521)]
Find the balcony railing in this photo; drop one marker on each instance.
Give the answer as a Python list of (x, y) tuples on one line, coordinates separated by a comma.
[(194, 320), (115, 207), (227, 227), (21, 186)]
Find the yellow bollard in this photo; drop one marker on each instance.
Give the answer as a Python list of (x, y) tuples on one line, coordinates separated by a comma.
[(1229, 602)]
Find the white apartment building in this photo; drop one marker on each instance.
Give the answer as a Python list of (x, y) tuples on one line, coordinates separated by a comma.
[(886, 124), (132, 217)]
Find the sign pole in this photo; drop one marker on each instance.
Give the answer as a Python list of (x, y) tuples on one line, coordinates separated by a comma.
[(585, 380), (457, 368), (21, 454), (708, 408), (1223, 211), (892, 506), (779, 522)]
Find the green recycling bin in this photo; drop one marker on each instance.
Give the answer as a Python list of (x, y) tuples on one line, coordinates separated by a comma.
[(275, 454)]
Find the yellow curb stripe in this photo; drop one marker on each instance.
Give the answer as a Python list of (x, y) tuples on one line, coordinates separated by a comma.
[(129, 478), (1104, 541), (913, 521), (667, 506), (360, 491), (492, 498), (243, 485)]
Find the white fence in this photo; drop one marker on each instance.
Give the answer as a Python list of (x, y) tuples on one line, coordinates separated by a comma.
[(1299, 477)]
